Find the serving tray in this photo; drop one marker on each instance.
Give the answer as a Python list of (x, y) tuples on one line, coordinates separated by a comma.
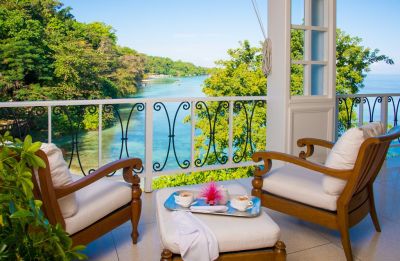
[(254, 211)]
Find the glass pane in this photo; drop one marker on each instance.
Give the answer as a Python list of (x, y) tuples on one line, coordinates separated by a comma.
[(317, 13), (317, 45), (317, 79), (297, 12), (297, 44), (297, 79)]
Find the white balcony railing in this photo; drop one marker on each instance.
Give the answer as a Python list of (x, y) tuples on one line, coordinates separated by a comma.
[(164, 132), (170, 135)]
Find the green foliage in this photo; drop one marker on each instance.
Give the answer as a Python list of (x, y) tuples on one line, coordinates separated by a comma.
[(46, 54), (25, 234), (201, 177), (296, 70), (166, 66), (241, 75), (353, 62)]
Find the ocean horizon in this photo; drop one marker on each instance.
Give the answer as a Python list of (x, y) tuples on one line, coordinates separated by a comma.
[(381, 83)]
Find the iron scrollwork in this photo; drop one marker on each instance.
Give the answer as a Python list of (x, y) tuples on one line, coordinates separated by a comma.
[(124, 130), (74, 116), (158, 106), (249, 120), (212, 123), (349, 109), (21, 121)]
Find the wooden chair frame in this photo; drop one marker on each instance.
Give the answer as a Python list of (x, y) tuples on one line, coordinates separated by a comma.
[(50, 195), (357, 198)]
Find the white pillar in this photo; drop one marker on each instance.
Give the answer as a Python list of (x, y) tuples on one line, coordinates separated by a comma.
[(279, 80)]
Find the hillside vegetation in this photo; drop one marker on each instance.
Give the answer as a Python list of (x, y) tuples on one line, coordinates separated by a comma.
[(46, 53)]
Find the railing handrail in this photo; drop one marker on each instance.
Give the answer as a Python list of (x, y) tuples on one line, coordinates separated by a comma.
[(13, 104), (359, 95)]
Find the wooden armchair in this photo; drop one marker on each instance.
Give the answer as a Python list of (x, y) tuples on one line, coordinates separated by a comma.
[(304, 197), (103, 204)]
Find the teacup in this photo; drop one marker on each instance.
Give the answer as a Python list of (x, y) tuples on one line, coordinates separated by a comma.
[(184, 198), (241, 203)]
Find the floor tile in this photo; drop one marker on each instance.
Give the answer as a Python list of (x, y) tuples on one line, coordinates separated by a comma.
[(295, 234), (327, 252), (148, 247), (367, 244), (102, 249)]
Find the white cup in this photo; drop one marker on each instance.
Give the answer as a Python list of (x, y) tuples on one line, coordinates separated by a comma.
[(184, 198), (241, 203)]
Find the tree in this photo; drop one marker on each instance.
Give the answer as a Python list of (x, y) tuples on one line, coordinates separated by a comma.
[(353, 62), (241, 75)]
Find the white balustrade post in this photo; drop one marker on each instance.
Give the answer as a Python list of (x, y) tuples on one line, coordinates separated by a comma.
[(149, 147), (361, 112), (336, 119), (100, 135), (49, 125), (230, 142), (192, 144), (384, 111)]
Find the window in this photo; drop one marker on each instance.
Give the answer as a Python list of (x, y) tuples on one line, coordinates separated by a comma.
[(309, 46)]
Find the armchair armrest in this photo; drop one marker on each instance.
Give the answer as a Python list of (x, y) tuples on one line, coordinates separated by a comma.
[(268, 156), (126, 164), (310, 143)]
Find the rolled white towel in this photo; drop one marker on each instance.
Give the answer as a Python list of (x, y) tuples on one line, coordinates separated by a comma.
[(218, 208)]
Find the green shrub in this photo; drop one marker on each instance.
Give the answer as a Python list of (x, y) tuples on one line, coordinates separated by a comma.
[(201, 177), (25, 234)]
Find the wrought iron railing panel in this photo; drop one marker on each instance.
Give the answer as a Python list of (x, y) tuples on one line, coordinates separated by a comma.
[(358, 109), (171, 135)]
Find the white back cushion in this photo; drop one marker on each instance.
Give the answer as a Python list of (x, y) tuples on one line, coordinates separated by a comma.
[(344, 153), (60, 176)]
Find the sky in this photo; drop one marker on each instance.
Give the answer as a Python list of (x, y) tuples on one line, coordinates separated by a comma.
[(201, 31)]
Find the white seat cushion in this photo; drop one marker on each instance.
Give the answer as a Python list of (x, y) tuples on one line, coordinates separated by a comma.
[(60, 176), (232, 233), (299, 184), (96, 201)]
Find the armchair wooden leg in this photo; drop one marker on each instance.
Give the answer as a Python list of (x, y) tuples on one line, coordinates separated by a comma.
[(257, 183), (344, 234), (136, 208), (280, 251), (372, 209), (166, 255)]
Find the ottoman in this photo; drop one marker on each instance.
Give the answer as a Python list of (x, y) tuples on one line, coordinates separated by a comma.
[(238, 238)]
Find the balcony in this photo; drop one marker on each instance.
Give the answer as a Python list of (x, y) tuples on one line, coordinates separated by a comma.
[(179, 129)]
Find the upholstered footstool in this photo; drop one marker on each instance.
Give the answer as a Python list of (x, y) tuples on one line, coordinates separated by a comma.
[(238, 238)]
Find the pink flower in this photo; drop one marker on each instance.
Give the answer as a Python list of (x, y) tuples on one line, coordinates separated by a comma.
[(211, 193)]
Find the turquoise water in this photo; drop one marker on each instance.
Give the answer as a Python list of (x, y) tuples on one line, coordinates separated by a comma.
[(172, 87), (134, 147)]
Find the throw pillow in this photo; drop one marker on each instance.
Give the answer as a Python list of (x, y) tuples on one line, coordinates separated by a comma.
[(60, 176)]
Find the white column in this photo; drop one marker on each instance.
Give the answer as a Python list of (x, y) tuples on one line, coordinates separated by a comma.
[(279, 80)]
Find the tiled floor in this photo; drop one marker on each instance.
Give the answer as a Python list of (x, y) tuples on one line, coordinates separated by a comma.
[(304, 241)]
